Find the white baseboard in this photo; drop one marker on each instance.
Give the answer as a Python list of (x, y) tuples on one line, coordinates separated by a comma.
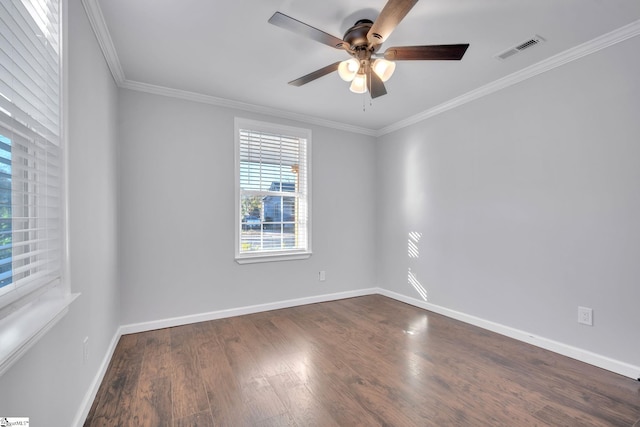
[(90, 396), (221, 314), (600, 361), (582, 355)]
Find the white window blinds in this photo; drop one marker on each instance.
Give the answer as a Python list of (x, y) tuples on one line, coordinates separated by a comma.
[(273, 190), (30, 151)]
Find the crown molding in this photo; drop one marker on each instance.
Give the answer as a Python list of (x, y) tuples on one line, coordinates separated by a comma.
[(100, 29), (228, 103), (569, 55)]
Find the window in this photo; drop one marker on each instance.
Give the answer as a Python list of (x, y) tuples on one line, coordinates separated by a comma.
[(272, 196), (31, 237)]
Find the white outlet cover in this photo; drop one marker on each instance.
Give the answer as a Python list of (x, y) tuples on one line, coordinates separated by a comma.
[(585, 316)]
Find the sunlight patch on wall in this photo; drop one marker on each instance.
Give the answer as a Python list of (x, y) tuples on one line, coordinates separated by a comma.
[(412, 245), (413, 251), (413, 281)]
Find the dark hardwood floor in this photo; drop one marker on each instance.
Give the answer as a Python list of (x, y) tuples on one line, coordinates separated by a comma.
[(364, 361)]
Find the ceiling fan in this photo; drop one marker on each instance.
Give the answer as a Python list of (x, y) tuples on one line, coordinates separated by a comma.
[(367, 69)]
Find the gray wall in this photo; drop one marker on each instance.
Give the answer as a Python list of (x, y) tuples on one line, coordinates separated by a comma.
[(176, 208), (528, 205), (50, 381)]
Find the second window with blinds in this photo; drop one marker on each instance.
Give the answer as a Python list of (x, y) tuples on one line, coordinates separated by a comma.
[(273, 203)]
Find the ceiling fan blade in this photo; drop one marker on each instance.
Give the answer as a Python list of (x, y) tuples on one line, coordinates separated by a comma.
[(315, 75), (376, 86), (288, 23), (443, 52), (390, 16)]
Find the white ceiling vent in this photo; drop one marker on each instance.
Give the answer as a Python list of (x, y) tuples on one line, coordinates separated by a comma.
[(535, 40)]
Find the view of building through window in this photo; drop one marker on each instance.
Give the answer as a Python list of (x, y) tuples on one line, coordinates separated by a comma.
[(269, 221)]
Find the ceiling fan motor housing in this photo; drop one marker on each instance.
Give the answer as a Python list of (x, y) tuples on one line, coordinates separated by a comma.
[(356, 36)]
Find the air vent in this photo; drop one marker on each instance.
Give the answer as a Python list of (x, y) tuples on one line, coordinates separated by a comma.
[(535, 40)]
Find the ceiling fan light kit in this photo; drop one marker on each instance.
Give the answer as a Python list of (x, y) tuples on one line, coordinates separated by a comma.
[(368, 70), (352, 71)]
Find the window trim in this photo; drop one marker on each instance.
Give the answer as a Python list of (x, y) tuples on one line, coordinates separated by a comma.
[(270, 256), (26, 324)]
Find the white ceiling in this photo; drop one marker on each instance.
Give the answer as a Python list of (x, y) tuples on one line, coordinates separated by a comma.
[(227, 52)]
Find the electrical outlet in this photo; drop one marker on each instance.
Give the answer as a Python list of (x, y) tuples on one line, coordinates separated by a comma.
[(322, 276), (585, 316), (85, 350)]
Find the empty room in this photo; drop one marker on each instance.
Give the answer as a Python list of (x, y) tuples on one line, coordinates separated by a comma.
[(294, 213)]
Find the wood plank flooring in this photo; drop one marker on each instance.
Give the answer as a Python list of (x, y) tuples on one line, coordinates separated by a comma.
[(367, 361)]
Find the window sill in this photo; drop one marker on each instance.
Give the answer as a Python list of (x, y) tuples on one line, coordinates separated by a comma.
[(251, 259), (20, 330)]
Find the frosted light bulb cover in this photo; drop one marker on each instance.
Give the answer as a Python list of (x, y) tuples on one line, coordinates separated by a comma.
[(384, 69), (359, 84), (348, 69)]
